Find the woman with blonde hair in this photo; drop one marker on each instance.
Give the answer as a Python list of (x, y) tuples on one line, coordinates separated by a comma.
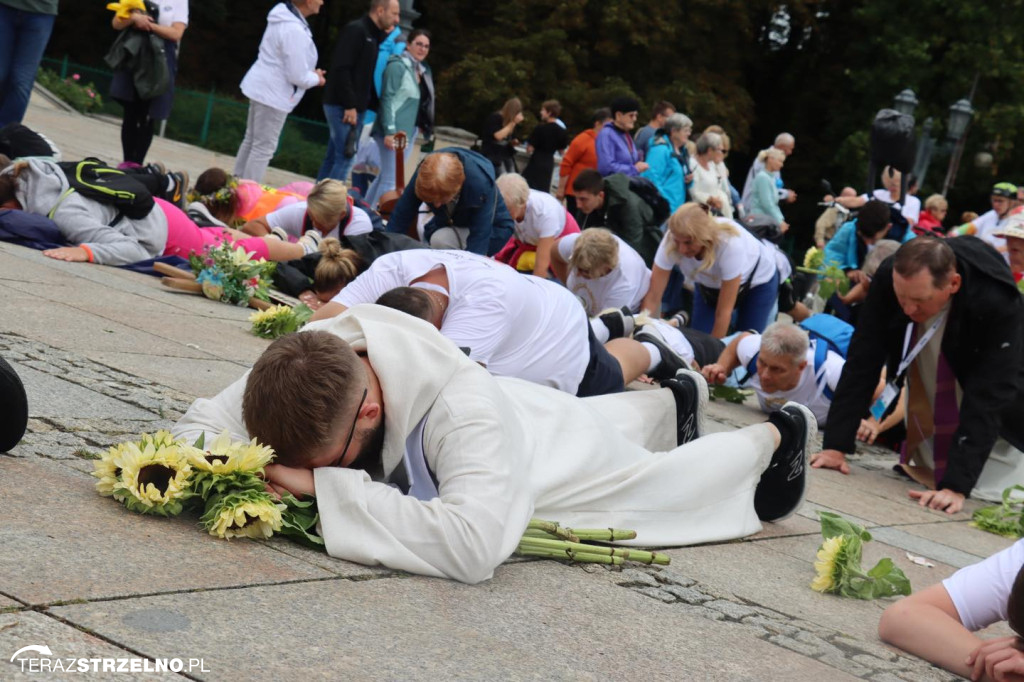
[(337, 267), (601, 270), (764, 198), (328, 209), (498, 143), (734, 272)]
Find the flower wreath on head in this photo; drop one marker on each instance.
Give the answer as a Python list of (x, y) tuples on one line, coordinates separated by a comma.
[(224, 195)]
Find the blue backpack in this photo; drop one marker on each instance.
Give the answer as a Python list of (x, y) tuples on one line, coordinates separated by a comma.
[(828, 333)]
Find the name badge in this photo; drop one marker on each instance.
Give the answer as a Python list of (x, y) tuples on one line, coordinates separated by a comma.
[(881, 407)]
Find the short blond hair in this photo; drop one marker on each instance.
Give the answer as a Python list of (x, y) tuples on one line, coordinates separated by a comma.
[(771, 153), (514, 189), (936, 201), (695, 221), (439, 178), (594, 248), (327, 202)]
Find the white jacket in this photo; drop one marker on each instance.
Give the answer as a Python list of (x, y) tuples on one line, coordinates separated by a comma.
[(503, 450), (284, 69)]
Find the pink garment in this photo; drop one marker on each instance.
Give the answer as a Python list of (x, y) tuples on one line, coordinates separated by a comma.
[(184, 236), (514, 249)]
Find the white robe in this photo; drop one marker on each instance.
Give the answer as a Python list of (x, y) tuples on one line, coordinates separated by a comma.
[(505, 450)]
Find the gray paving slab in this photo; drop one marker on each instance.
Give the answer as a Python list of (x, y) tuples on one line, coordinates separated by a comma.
[(66, 645), (760, 575), (62, 541), (533, 621), (831, 491), (7, 603), (794, 525), (962, 536), (930, 549), (194, 376), (50, 396)]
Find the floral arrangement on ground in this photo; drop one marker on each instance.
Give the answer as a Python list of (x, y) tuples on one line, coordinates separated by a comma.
[(163, 476), (231, 274), (839, 563)]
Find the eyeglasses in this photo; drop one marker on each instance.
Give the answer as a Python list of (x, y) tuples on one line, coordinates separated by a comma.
[(353, 431), (425, 46)]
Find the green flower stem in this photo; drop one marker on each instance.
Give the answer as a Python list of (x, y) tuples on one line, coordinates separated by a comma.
[(640, 556), (582, 557), (604, 534), (552, 528)]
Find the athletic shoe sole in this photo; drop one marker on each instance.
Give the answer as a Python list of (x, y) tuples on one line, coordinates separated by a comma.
[(671, 362), (786, 475), (694, 424)]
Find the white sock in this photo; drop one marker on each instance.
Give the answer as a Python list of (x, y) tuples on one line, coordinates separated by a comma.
[(655, 354), (600, 330)]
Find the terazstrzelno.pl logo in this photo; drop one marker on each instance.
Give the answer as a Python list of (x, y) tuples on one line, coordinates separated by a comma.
[(39, 659)]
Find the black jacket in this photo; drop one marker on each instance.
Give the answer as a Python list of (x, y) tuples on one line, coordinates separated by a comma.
[(983, 343), (350, 74)]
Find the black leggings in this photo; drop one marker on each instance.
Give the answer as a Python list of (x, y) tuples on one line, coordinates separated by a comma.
[(136, 130), (13, 407)]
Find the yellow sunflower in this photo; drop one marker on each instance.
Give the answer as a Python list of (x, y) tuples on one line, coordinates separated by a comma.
[(108, 468), (245, 514), (827, 565), (270, 314), (226, 457), (154, 479)]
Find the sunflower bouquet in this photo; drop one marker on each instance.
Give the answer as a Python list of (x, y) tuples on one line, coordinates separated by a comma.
[(230, 274), (163, 476), (279, 320), (839, 563), (831, 277)]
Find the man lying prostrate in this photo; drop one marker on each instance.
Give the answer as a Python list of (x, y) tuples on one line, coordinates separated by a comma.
[(422, 461), (512, 324), (787, 368)]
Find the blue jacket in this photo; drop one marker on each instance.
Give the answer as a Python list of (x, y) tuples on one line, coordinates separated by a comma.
[(480, 207), (666, 171), (616, 152), (842, 248)]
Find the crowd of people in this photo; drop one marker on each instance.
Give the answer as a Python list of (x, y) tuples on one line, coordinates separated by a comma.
[(469, 362)]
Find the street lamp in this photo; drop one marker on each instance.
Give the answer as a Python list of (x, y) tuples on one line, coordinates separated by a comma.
[(905, 102), (960, 115)]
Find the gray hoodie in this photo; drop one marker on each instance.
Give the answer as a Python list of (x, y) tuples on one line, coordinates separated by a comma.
[(86, 222)]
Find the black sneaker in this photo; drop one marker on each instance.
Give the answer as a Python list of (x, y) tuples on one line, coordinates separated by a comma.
[(155, 168), (782, 487), (691, 393), (620, 322), (671, 362), (178, 195)]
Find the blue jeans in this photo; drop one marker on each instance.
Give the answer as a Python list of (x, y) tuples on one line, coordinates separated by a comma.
[(336, 165), (23, 38), (750, 314)]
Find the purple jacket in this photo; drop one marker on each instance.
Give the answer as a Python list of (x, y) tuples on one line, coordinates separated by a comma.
[(615, 152)]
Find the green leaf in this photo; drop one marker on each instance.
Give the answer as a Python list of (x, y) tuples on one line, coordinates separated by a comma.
[(201, 441), (833, 524)]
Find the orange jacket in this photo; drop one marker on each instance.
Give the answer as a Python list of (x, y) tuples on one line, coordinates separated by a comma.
[(580, 154)]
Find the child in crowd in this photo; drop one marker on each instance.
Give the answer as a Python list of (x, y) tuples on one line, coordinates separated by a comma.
[(232, 201), (328, 208), (101, 234), (939, 622), (935, 209)]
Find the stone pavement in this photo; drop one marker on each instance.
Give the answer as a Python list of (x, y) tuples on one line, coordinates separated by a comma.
[(106, 354)]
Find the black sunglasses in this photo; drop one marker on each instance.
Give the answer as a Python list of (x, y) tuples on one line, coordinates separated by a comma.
[(353, 431)]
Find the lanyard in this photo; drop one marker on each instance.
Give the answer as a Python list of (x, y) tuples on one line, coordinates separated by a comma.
[(921, 343)]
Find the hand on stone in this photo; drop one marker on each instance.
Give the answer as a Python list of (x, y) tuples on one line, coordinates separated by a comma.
[(830, 459), (72, 254), (945, 499), (714, 373)]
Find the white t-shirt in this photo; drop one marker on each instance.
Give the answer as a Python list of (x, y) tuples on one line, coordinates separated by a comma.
[(515, 325), (173, 11), (674, 338), (808, 392), (625, 285), (990, 222), (911, 211), (980, 591), (735, 256), (289, 218), (545, 217)]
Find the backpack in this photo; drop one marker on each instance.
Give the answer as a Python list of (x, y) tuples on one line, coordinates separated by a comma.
[(828, 334), (93, 179), (762, 226), (898, 224), (645, 189)]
